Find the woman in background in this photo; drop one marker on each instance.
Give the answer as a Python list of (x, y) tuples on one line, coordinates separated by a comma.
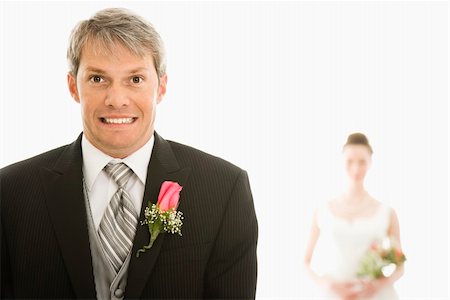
[(347, 226)]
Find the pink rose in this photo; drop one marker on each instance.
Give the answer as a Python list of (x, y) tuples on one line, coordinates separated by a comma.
[(169, 195), (374, 246)]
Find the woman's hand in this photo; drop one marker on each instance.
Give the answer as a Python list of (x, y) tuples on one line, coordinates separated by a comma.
[(346, 290), (371, 287)]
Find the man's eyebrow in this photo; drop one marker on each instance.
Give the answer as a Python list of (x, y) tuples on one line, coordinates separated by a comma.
[(95, 70), (137, 70), (103, 72)]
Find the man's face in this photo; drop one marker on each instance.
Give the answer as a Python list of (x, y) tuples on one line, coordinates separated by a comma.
[(118, 94)]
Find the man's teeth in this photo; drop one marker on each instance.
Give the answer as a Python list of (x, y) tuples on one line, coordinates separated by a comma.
[(118, 120)]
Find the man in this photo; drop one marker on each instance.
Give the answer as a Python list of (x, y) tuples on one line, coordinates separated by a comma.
[(71, 218)]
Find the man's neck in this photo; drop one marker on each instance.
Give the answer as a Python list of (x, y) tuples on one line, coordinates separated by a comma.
[(118, 153)]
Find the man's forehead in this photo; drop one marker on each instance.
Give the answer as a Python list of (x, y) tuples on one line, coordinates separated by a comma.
[(96, 47), (95, 53)]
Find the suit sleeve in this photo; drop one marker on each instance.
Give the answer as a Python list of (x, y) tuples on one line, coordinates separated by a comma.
[(5, 275), (232, 267)]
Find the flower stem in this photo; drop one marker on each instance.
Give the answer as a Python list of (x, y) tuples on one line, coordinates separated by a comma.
[(154, 232)]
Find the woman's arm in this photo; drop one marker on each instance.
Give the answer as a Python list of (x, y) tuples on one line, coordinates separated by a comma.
[(372, 287), (394, 232), (313, 237)]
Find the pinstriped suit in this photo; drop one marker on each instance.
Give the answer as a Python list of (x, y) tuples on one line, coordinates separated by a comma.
[(45, 249)]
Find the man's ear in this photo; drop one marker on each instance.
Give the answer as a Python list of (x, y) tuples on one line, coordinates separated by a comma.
[(72, 84), (162, 88)]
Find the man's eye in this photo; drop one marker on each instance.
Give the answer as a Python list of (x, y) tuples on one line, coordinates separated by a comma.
[(96, 79), (136, 79)]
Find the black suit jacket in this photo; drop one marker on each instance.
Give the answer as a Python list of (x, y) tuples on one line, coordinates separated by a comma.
[(45, 249)]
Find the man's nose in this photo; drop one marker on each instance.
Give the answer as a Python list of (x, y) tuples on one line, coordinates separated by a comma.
[(117, 96)]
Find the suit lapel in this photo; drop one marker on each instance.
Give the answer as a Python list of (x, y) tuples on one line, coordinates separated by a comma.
[(66, 206), (163, 166)]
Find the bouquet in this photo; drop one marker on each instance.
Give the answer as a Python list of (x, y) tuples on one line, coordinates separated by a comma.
[(381, 260)]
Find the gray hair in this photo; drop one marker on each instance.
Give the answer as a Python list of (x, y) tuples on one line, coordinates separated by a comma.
[(117, 25)]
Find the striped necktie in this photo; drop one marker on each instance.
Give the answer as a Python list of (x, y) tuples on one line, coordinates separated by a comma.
[(118, 225)]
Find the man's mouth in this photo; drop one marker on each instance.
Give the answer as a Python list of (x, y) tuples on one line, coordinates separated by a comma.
[(118, 120)]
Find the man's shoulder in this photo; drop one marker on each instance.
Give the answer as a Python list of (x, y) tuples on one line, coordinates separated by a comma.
[(193, 157)]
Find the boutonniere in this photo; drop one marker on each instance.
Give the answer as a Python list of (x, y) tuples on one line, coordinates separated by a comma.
[(163, 216)]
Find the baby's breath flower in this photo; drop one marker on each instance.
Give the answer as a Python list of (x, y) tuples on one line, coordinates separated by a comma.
[(171, 220)]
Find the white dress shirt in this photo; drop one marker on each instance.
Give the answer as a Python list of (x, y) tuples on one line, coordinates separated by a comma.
[(100, 187)]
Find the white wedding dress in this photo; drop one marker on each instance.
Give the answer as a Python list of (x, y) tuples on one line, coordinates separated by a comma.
[(342, 243)]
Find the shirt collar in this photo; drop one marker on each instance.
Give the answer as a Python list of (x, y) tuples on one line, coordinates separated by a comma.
[(139, 160), (94, 160)]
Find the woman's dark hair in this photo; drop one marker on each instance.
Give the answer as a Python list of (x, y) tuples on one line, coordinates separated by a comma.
[(358, 138)]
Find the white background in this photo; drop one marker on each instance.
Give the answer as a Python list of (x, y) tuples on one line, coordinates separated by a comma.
[(274, 88)]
